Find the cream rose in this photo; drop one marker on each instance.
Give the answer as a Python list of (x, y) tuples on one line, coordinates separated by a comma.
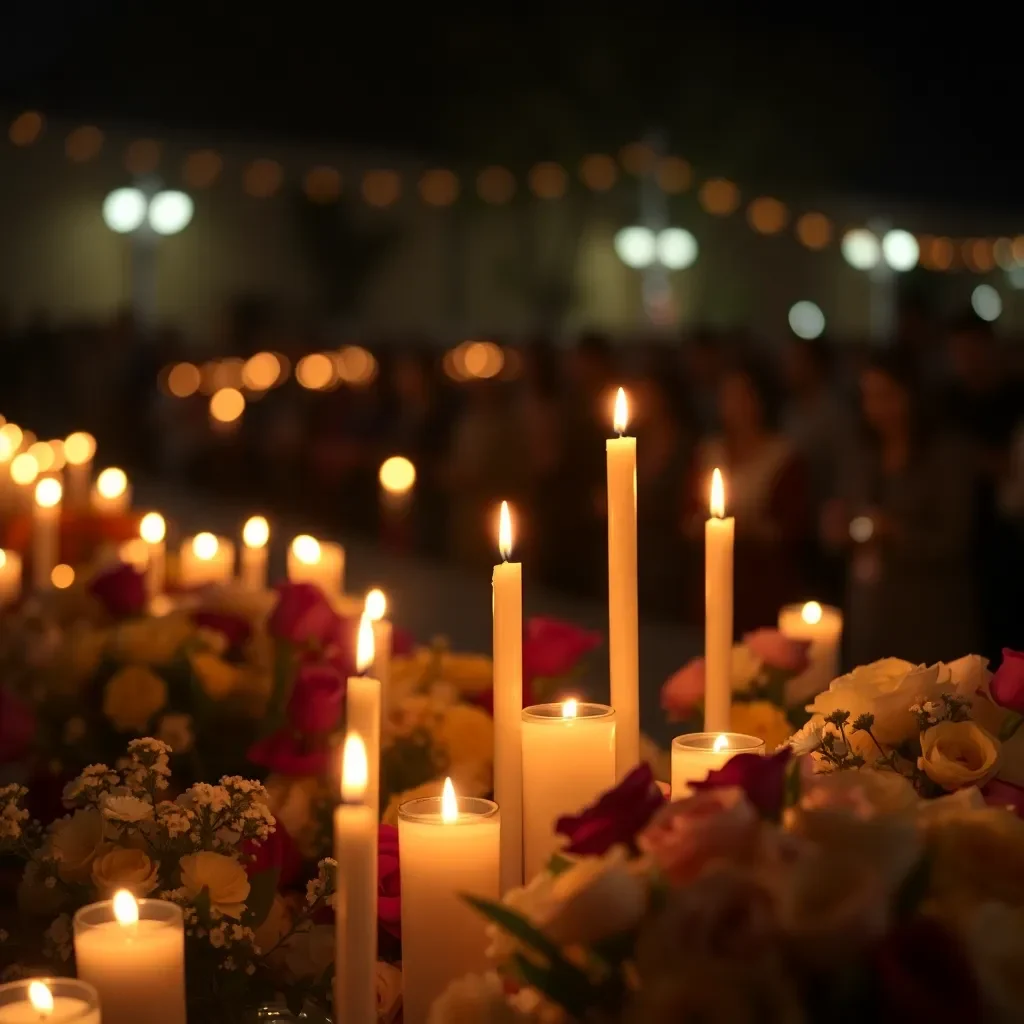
[(129, 809), (223, 877), (121, 868), (132, 696), (958, 754), (75, 841)]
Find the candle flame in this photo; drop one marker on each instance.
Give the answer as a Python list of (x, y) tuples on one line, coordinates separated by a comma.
[(256, 532), (112, 482), (449, 803), (126, 909), (811, 613), (717, 494), (24, 469), (376, 604), (48, 493), (365, 652), (79, 447), (41, 998), (306, 549), (397, 475), (720, 744), (570, 707), (152, 529), (505, 532), (204, 546), (621, 418), (355, 771)]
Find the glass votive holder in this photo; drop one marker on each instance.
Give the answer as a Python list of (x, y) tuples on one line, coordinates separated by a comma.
[(65, 1001), (697, 753)]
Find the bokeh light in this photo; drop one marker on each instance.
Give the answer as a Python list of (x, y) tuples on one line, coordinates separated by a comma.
[(397, 475), (638, 158), (987, 302), (152, 528), (261, 371), (719, 196), (83, 144), (315, 372), (548, 180), (381, 188), (355, 365), (79, 448), (183, 380), (306, 549), (112, 482), (11, 437), (439, 187), (205, 546), (676, 248), (170, 212), (135, 552), (674, 175), (598, 172), (49, 492), (900, 250), (256, 532), (814, 230), (861, 249), (322, 184), (806, 320), (227, 405), (496, 185), (62, 576), (202, 168), (59, 458), (262, 178), (767, 215), (43, 454), (482, 359), (636, 246), (26, 128), (124, 210), (24, 469)]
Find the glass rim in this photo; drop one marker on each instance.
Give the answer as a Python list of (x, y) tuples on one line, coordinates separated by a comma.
[(102, 912), (69, 987), (427, 810), (552, 712), (703, 743)]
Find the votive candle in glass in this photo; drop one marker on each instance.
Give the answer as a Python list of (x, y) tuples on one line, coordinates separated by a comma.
[(698, 753), (49, 1001)]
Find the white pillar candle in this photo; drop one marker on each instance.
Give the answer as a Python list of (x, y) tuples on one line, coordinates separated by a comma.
[(153, 532), (450, 846), (568, 761), (255, 535), (317, 561), (822, 625), (205, 560), (507, 612), (383, 643), (8, 449), (355, 914), (719, 532), (698, 753), (623, 637), (133, 952), (363, 709), (79, 449), (46, 531), (10, 576), (49, 1001), (112, 494)]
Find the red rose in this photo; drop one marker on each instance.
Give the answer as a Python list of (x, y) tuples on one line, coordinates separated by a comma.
[(617, 817), (389, 881), (279, 851), (233, 627), (121, 590), (684, 690), (763, 779), (303, 615), (552, 648), (17, 727), (289, 753), (317, 699), (1007, 685), (778, 651)]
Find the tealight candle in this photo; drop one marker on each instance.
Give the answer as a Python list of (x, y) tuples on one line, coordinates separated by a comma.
[(317, 561), (79, 449), (49, 1001), (450, 848), (205, 560), (10, 576), (133, 952), (112, 494), (255, 536), (153, 531), (822, 625), (375, 607), (568, 761), (698, 753), (718, 582), (45, 531)]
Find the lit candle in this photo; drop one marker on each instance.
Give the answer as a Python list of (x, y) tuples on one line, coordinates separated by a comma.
[(623, 640), (317, 561), (507, 611), (718, 543), (46, 531), (450, 847), (362, 708), (355, 916), (10, 576), (383, 641), (49, 1001), (112, 494), (24, 473), (568, 761), (133, 952), (205, 560), (79, 449), (153, 531), (698, 753), (822, 625), (255, 535), (397, 478)]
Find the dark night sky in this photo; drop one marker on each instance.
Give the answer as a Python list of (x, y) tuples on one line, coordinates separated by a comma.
[(891, 108)]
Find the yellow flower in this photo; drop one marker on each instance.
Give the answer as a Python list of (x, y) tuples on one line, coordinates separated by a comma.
[(468, 673), (218, 678), (132, 697), (762, 719), (152, 641), (83, 651), (958, 754), (292, 799), (75, 841), (223, 878), (120, 868), (466, 733)]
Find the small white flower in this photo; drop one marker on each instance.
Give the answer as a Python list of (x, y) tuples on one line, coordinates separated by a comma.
[(807, 739), (126, 808)]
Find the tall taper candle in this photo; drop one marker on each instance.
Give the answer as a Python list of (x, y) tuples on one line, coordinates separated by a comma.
[(363, 709), (718, 582), (255, 535), (46, 531), (376, 607), (153, 530)]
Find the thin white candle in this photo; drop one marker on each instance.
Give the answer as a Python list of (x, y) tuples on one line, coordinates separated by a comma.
[(363, 715), (153, 531), (255, 536), (822, 626), (49, 1001), (507, 611), (568, 761), (46, 531), (719, 532), (79, 449), (112, 494), (383, 643), (623, 620), (206, 559), (317, 561), (696, 754), (10, 576), (355, 917)]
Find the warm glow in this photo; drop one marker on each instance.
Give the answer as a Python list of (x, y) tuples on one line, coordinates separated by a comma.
[(48, 493), (12, 435), (59, 459), (570, 707), (621, 418), (183, 379), (256, 532), (6, 448), (717, 494), (112, 483), (449, 803), (720, 744), (376, 604), (3, 558), (355, 365), (482, 359), (261, 371), (306, 549), (62, 576), (397, 475), (43, 454), (24, 469), (152, 529), (365, 652), (41, 998), (505, 532), (227, 404), (126, 909), (79, 448), (355, 771), (135, 552), (315, 372), (811, 613), (204, 546)]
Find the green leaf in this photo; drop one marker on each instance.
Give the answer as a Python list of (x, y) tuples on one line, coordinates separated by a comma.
[(516, 925), (202, 904), (1010, 725), (791, 791), (558, 864), (563, 984), (262, 890)]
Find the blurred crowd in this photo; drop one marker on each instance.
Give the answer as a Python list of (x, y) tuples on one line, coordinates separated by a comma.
[(886, 479)]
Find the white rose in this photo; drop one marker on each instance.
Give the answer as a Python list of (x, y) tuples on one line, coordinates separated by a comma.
[(75, 841), (389, 990), (970, 675), (223, 877), (120, 868)]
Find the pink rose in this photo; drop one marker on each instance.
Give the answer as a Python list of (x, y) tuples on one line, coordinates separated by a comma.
[(617, 816), (289, 753), (683, 692), (552, 648), (121, 590), (1007, 685), (762, 780), (17, 727), (303, 616), (317, 700), (685, 836), (778, 651), (234, 628), (389, 881), (277, 851)]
